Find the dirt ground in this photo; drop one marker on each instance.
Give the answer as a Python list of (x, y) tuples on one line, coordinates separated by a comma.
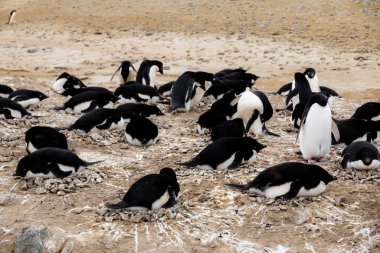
[(272, 39)]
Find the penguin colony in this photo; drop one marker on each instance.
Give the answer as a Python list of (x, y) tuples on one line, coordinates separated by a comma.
[(236, 123)]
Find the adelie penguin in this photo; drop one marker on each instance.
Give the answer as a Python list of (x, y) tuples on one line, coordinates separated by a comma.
[(368, 111), (217, 90), (226, 72), (361, 155), (248, 77), (66, 81), (88, 101), (12, 17), (10, 109), (130, 109), (151, 192), (226, 153), (209, 120), (5, 91), (49, 163), (39, 137), (189, 88), (302, 88), (351, 130), (27, 98), (165, 90), (127, 72), (137, 93), (99, 119), (227, 105), (316, 127), (141, 131), (71, 92), (147, 72), (289, 180), (230, 128)]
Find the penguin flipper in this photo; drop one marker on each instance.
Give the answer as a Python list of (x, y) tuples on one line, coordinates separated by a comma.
[(251, 120), (171, 201), (119, 205), (7, 114), (91, 107), (335, 130), (54, 168), (106, 125), (116, 72), (295, 187), (191, 163), (241, 187), (237, 161), (291, 94)]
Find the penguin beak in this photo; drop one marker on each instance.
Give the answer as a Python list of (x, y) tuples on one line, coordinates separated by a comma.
[(161, 71)]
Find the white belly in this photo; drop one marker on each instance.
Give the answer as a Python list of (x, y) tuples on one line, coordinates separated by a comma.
[(15, 114), (118, 125), (359, 165), (161, 201), (321, 187), (275, 191), (197, 97), (58, 85), (226, 163), (31, 148), (29, 102)]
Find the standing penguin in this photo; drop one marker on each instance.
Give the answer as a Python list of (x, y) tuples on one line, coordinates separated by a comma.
[(226, 153), (360, 155), (316, 126), (151, 192), (189, 89), (10, 109), (147, 72), (38, 137), (127, 72), (302, 88), (289, 180), (12, 17), (5, 91), (50, 162), (141, 131), (27, 98)]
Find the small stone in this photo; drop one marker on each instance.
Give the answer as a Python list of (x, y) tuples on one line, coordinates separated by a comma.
[(77, 210), (339, 201), (169, 214), (312, 228), (137, 217), (61, 193), (33, 50), (23, 185), (40, 190), (39, 181), (68, 248)]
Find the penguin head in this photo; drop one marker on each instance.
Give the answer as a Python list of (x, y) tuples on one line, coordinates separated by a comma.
[(159, 65), (310, 72), (299, 79), (254, 144), (114, 98), (319, 98), (367, 155), (168, 172), (63, 75), (42, 96), (22, 167)]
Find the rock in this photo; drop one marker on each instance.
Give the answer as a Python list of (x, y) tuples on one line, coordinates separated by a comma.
[(39, 239), (68, 248), (301, 217), (312, 228), (137, 217), (40, 190), (23, 185), (33, 50), (61, 193), (339, 201)]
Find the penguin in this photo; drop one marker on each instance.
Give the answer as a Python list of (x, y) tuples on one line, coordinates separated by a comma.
[(188, 89), (130, 109), (38, 137), (284, 90), (351, 130), (27, 98), (127, 83), (151, 192), (288, 180), (208, 120), (368, 111), (315, 131), (329, 91), (127, 72), (49, 163), (137, 93), (98, 119), (248, 77), (141, 131), (165, 90), (66, 81), (361, 155), (147, 72), (227, 105), (225, 72), (226, 153), (72, 92), (12, 17), (217, 90), (10, 109), (230, 128), (5, 91), (303, 90), (88, 101)]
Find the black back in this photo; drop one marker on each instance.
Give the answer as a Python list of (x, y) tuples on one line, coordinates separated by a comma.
[(95, 118), (129, 109), (142, 129), (268, 110), (98, 98), (367, 111), (225, 72), (360, 150), (125, 69), (6, 104), (25, 94), (230, 128), (248, 77), (44, 136), (4, 89), (165, 87), (144, 69), (72, 92), (132, 91), (329, 91), (224, 106), (72, 81), (225, 86), (211, 119)]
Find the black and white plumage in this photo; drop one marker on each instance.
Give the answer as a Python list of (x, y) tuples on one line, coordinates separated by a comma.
[(353, 129), (165, 90), (368, 111), (248, 77), (90, 100), (10, 109), (39, 137), (128, 110), (217, 90), (189, 88), (230, 128), (289, 180), (71, 92), (50, 162), (227, 105), (27, 97), (99, 119), (12, 17), (66, 81), (299, 96), (5, 90), (226, 153), (136, 93), (127, 72), (316, 126), (147, 72), (151, 192), (361, 155), (226, 72), (209, 120), (141, 131)]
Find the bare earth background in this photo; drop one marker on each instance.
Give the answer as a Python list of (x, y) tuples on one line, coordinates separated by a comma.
[(272, 39)]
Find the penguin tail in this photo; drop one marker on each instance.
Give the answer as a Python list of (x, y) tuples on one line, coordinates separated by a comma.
[(93, 163), (62, 128), (241, 187), (116, 72), (190, 163), (119, 205), (58, 108)]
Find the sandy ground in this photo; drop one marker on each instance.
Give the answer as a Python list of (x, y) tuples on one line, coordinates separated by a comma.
[(271, 39)]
